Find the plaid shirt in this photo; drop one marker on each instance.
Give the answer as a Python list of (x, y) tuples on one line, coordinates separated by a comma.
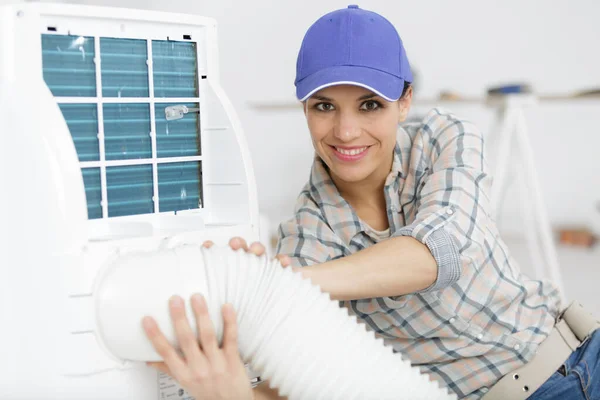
[(482, 318)]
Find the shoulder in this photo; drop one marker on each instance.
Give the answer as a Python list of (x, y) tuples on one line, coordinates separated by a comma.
[(440, 129), (441, 122)]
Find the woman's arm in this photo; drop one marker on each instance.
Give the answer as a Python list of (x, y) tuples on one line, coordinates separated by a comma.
[(393, 267), (396, 266)]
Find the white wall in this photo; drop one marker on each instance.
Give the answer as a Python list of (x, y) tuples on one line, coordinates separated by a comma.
[(464, 45), (7, 2)]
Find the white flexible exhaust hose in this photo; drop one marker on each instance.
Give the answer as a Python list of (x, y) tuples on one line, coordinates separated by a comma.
[(292, 334)]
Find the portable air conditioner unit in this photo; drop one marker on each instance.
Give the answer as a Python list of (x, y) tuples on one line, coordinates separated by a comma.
[(120, 111)]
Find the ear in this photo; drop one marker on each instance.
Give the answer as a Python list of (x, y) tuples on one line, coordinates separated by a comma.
[(404, 104)]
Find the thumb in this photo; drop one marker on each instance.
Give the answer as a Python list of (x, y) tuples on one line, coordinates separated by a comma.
[(285, 261)]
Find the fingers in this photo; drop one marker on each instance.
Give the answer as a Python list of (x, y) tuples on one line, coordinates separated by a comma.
[(208, 337), (185, 335), (237, 243), (160, 343), (230, 334), (257, 248), (285, 261)]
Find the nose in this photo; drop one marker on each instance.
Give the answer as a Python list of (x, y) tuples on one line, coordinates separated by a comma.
[(347, 127)]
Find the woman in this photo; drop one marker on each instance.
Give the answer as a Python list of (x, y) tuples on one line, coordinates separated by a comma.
[(395, 222)]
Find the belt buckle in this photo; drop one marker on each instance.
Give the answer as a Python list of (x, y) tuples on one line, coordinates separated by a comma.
[(579, 321)]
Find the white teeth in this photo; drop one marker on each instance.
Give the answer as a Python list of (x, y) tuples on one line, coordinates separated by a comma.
[(351, 152)]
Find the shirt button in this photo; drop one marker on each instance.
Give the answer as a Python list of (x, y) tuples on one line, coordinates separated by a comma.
[(452, 320), (449, 211), (517, 346), (484, 390), (480, 336)]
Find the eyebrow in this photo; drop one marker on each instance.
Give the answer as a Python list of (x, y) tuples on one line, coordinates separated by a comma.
[(367, 96), (322, 98), (361, 98)]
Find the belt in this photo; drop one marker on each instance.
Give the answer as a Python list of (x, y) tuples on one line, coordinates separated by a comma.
[(574, 326)]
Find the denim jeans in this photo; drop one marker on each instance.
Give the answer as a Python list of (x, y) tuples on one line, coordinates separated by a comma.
[(578, 378)]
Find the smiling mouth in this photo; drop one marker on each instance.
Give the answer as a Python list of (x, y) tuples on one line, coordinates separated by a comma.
[(351, 152)]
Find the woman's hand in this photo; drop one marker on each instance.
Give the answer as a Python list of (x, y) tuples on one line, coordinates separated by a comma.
[(205, 371), (255, 248)]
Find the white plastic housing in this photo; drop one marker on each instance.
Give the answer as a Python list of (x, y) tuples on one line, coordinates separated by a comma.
[(50, 253)]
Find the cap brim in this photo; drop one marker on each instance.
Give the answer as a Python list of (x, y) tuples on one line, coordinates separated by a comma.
[(381, 83)]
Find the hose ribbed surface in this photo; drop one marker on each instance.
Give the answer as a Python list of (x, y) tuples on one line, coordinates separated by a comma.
[(304, 343), (290, 332)]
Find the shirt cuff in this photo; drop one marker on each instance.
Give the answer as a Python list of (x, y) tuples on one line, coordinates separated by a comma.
[(446, 253)]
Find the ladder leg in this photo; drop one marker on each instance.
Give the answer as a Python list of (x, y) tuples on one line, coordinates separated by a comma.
[(538, 207), (502, 145), (527, 208)]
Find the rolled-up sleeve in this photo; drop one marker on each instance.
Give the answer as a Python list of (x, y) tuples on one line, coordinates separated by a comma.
[(453, 198)]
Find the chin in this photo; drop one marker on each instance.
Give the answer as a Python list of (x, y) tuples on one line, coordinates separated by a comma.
[(351, 175)]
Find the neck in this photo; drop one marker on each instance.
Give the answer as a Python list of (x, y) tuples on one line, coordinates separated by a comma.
[(367, 192)]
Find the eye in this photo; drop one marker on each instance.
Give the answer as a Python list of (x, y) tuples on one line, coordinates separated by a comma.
[(324, 107), (370, 105)]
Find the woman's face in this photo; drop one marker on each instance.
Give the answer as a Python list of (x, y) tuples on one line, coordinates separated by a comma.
[(354, 131)]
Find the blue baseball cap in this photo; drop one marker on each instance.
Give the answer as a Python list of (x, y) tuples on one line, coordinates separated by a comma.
[(354, 47)]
